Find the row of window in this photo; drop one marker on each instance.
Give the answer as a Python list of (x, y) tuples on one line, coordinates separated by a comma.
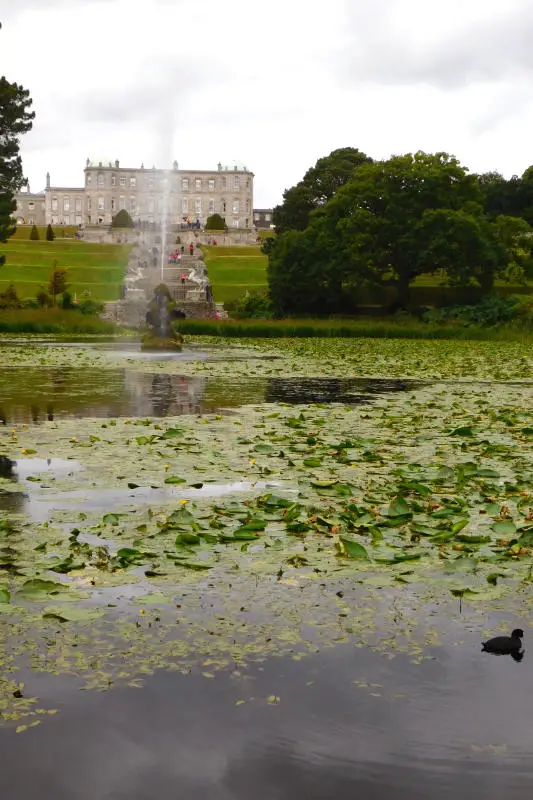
[(31, 205), (229, 183), (65, 219), (151, 205), (257, 217), (67, 203)]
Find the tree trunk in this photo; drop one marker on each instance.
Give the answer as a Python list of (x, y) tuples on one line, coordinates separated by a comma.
[(402, 291), (486, 281)]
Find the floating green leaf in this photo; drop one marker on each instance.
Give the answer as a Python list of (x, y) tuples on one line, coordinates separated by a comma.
[(72, 613), (353, 549), (38, 589), (111, 519), (173, 433), (504, 528), (264, 448), (464, 430), (398, 508)]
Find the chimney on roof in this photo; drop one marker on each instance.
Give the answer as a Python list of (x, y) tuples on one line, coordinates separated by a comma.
[(116, 163), (47, 180)]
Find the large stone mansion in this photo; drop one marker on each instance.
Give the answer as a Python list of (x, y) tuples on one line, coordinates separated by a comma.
[(147, 194)]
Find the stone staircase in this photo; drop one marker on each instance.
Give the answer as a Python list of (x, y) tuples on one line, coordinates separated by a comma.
[(144, 274)]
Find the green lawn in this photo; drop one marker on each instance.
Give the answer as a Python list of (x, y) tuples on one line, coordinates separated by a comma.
[(24, 231), (96, 268), (235, 270)]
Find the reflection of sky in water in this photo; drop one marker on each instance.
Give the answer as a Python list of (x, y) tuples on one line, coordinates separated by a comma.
[(39, 505), (26, 467), (184, 736)]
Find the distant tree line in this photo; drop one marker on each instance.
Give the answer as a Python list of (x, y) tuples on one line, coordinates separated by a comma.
[(353, 222)]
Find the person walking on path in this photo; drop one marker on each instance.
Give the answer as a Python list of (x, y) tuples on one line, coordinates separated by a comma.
[(183, 276), (191, 248)]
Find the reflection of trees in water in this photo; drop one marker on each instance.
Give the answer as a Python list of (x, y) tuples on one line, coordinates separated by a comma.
[(305, 390), (7, 469), (12, 502), (331, 390), (43, 393)]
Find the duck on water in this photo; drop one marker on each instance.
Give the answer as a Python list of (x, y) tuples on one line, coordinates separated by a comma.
[(505, 645)]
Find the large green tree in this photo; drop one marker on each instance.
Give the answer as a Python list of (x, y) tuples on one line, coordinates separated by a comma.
[(511, 197), (319, 184), (15, 120), (393, 221), (502, 196)]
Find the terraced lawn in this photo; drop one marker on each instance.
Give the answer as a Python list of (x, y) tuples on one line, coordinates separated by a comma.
[(95, 268), (235, 270)]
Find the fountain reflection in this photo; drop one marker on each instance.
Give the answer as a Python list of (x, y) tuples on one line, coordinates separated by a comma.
[(41, 394)]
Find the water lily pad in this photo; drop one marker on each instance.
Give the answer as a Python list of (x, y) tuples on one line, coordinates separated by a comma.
[(38, 589), (352, 549), (72, 613), (504, 528), (264, 448), (398, 508)]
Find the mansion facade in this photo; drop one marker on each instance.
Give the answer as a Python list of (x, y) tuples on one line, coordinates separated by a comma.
[(148, 195)]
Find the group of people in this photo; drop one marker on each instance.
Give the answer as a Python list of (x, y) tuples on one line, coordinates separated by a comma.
[(176, 256)]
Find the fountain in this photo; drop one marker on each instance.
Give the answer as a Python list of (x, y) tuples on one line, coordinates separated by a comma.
[(160, 334), (165, 220)]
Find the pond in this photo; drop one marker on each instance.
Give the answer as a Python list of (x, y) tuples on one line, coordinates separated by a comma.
[(265, 568)]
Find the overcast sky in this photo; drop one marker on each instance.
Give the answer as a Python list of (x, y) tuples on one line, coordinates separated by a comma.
[(273, 84)]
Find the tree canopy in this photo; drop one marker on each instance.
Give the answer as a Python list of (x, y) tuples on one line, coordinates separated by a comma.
[(393, 221), (319, 184), (15, 120), (122, 220), (215, 223), (58, 282)]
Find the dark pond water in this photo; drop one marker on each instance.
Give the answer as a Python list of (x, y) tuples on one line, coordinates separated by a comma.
[(457, 726), (37, 394)]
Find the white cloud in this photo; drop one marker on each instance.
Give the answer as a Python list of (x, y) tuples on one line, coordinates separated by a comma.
[(275, 86)]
